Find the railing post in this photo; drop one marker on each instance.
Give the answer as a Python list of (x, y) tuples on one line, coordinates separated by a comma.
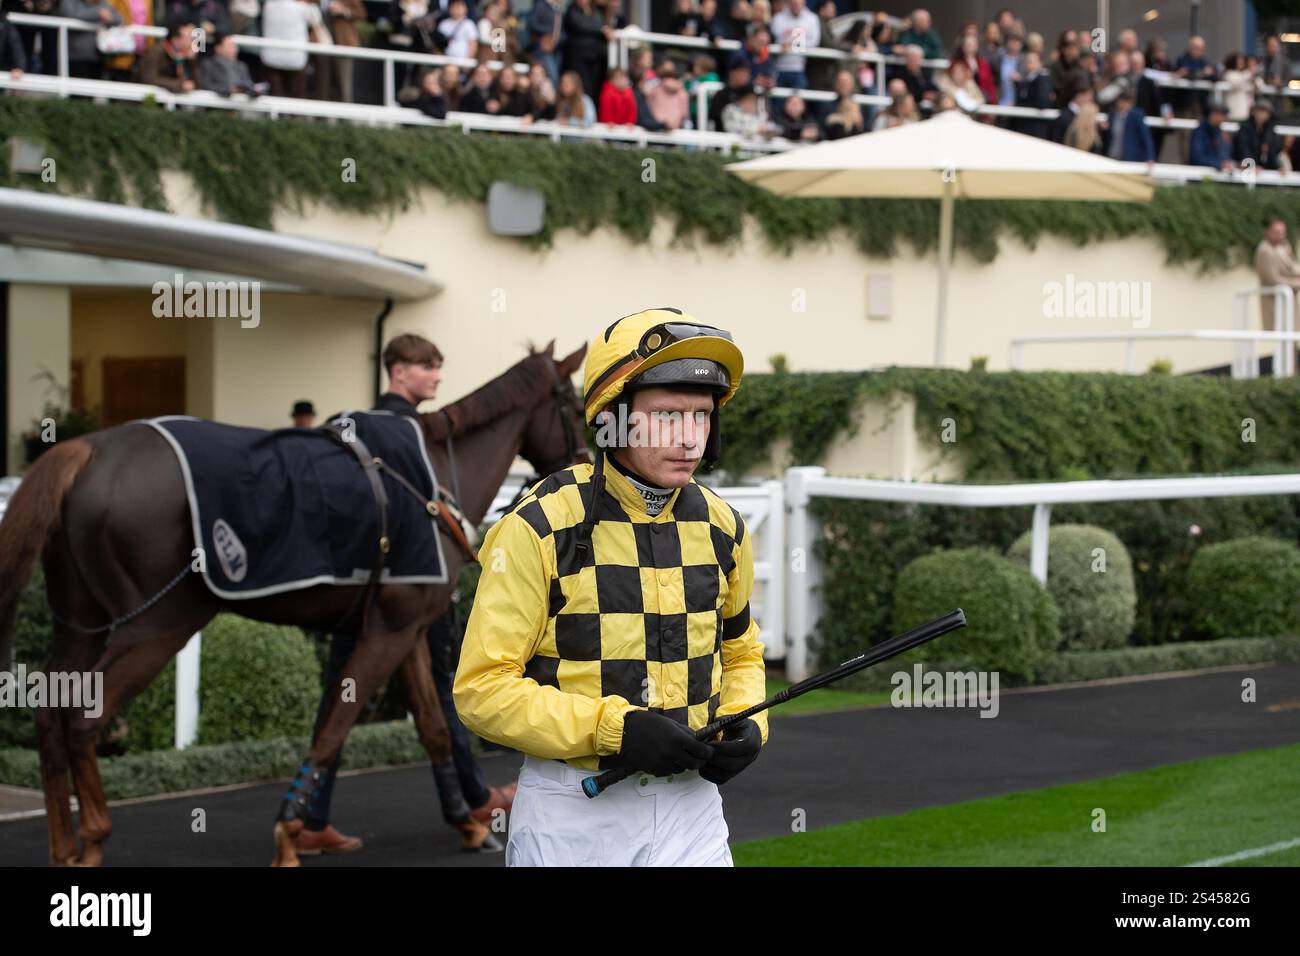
[(1038, 542), (1130, 356), (802, 572), (390, 83), (187, 692), (1239, 347), (63, 53), (774, 552)]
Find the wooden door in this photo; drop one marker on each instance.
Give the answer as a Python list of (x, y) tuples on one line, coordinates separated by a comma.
[(143, 388)]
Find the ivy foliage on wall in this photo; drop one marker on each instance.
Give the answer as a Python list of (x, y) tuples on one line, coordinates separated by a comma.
[(1031, 426), (247, 169)]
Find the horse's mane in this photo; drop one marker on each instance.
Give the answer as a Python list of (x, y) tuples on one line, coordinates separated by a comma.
[(517, 387)]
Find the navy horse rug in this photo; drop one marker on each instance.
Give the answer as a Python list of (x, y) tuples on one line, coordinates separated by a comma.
[(292, 508)]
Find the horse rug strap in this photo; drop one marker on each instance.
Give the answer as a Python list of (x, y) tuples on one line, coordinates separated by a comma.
[(282, 510)]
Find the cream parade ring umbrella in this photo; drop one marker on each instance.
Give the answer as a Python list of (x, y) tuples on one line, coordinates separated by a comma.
[(948, 157)]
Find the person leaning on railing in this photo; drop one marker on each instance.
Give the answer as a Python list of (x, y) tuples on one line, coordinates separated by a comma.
[(133, 13), (573, 107), (667, 101), (915, 75), (1211, 145), (431, 101), (544, 22), (13, 58), (617, 106), (920, 32), (795, 26), (170, 64), (1033, 91), (541, 94), (475, 94), (1257, 139), (738, 78), (340, 19), (84, 59), (288, 20), (585, 45), (221, 70), (745, 116)]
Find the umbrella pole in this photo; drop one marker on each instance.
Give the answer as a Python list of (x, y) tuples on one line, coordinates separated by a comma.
[(945, 263)]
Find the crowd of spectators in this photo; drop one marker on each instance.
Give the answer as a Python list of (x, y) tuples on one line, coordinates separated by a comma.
[(552, 66)]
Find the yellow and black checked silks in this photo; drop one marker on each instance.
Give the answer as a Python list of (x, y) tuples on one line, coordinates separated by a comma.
[(657, 616)]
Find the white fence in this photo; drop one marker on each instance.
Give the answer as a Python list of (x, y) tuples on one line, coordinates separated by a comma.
[(787, 576), (1244, 364), (805, 483)]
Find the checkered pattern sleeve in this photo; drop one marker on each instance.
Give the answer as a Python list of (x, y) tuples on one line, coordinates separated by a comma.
[(493, 697), (743, 680)]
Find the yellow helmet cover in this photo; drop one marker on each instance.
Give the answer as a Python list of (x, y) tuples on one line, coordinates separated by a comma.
[(637, 343)]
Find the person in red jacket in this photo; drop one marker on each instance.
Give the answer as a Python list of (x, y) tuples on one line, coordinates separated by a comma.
[(617, 101), (967, 50)]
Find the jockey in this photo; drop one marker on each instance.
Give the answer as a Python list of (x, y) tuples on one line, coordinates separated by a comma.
[(613, 618), (414, 366)]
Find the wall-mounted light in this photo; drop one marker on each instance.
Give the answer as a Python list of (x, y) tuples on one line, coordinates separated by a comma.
[(515, 210), (26, 156)]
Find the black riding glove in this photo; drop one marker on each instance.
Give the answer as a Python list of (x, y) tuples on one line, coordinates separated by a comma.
[(739, 748), (659, 745)]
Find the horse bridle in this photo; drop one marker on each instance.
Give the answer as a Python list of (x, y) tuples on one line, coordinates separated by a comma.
[(566, 408)]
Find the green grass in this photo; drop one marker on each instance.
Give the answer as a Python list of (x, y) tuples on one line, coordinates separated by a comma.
[(819, 700), (1167, 816), (1289, 857)]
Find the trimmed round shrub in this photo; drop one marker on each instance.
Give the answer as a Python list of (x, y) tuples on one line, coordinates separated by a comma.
[(1245, 588), (1095, 593), (1011, 619), (256, 681)]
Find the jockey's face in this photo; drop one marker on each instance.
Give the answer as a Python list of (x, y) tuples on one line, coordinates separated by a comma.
[(417, 381), (676, 430)]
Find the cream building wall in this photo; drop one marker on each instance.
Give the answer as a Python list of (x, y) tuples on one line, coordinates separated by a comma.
[(39, 342), (810, 307)]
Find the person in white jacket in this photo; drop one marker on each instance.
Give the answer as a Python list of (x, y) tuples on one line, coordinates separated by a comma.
[(288, 20)]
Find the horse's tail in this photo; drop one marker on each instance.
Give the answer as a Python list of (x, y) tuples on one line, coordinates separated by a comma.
[(32, 514)]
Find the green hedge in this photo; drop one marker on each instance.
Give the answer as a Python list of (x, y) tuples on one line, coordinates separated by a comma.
[(1094, 593), (257, 681), (169, 771), (246, 170), (1246, 588), (1012, 620), (1026, 426), (867, 543)]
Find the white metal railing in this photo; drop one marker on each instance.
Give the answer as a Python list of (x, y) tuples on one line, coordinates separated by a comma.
[(276, 106), (805, 483), (393, 114), (1245, 368), (1243, 359)]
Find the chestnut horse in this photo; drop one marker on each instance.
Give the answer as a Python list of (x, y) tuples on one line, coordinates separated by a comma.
[(107, 513)]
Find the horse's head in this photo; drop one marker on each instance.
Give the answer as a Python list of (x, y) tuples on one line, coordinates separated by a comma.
[(555, 436)]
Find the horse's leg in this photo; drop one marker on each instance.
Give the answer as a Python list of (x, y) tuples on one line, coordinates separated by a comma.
[(126, 670), (70, 652), (416, 675), (378, 653)]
